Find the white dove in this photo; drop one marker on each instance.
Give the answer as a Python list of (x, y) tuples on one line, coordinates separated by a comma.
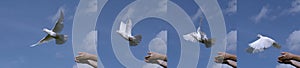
[(261, 44), (54, 33), (199, 36), (125, 32)]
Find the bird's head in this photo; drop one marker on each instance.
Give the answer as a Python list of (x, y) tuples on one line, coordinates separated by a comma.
[(46, 30), (259, 35)]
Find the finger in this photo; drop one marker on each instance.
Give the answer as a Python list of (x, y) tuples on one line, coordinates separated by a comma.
[(79, 53), (282, 53), (221, 53), (76, 60), (147, 57), (149, 53), (147, 61)]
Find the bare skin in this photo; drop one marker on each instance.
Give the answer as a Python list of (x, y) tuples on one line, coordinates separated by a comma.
[(226, 58), (162, 63), (156, 58), (86, 58), (289, 58)]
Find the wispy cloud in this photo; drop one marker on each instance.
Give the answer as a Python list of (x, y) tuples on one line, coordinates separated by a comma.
[(159, 43), (162, 6), (92, 6), (231, 40), (90, 43), (295, 7), (284, 66), (159, 5), (197, 15), (262, 14), (293, 41), (232, 7)]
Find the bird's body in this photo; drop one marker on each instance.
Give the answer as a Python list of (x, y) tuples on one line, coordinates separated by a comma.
[(199, 36), (54, 33), (125, 32), (261, 44)]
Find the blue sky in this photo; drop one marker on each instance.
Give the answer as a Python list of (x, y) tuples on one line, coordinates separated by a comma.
[(22, 23), (275, 19)]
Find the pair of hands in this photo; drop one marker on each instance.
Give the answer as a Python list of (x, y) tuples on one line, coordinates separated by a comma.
[(224, 58), (286, 58), (83, 57), (156, 58)]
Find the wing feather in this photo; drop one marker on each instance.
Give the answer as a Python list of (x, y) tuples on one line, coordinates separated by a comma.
[(59, 24), (44, 40), (190, 37), (128, 27)]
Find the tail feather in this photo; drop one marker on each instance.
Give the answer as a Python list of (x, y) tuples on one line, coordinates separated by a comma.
[(136, 41), (276, 45), (61, 39), (250, 50), (208, 43)]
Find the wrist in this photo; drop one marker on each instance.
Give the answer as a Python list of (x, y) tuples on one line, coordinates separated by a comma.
[(293, 56)]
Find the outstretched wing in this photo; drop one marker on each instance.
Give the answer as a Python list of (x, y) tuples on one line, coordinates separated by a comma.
[(122, 27), (44, 40), (190, 37), (128, 27), (261, 44), (59, 24)]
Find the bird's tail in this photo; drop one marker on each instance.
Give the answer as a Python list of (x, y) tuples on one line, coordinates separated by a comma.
[(276, 45), (253, 50), (61, 39), (250, 50), (209, 42), (136, 41)]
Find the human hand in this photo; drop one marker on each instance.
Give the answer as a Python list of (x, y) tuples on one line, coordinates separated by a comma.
[(286, 56), (152, 57)]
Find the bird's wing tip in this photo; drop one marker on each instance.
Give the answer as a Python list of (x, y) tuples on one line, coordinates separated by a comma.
[(33, 45)]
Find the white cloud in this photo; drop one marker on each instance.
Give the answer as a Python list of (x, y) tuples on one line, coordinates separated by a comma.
[(149, 65), (284, 66), (135, 11), (162, 6), (232, 7), (92, 6), (231, 40), (90, 43), (293, 41), (262, 14), (295, 6), (197, 15), (159, 43), (82, 66)]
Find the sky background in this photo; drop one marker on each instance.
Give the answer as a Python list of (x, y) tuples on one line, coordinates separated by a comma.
[(21, 26), (275, 19), (22, 23)]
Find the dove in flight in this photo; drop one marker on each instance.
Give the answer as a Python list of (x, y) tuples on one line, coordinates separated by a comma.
[(199, 36), (125, 32), (262, 43), (54, 33)]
